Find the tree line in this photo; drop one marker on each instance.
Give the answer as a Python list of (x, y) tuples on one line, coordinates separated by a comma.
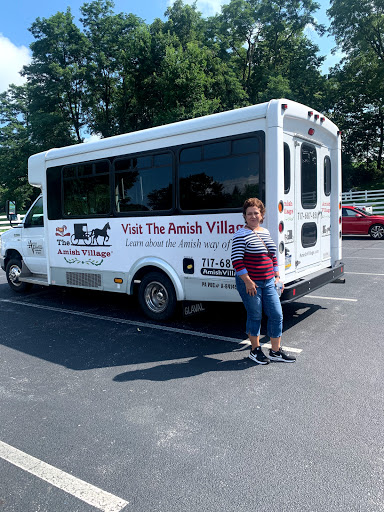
[(113, 73)]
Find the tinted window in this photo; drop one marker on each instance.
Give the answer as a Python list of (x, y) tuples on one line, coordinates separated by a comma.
[(327, 176), (308, 176), (86, 189), (287, 168), (217, 150), (309, 234), (36, 215), (220, 175), (347, 212), (143, 184)]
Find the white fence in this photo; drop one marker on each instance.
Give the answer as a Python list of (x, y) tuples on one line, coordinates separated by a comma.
[(4, 222), (366, 198)]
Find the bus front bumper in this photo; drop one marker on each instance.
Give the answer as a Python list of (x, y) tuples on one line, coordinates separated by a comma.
[(308, 284)]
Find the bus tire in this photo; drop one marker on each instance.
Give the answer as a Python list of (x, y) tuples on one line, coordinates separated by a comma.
[(13, 271), (157, 296), (376, 231)]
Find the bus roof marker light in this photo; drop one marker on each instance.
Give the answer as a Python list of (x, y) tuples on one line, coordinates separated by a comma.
[(322, 119), (339, 132), (316, 117), (284, 106), (311, 131), (310, 113)]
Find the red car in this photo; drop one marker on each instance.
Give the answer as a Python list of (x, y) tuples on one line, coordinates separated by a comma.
[(357, 221)]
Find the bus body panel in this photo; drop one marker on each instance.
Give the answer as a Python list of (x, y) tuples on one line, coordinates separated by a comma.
[(299, 179)]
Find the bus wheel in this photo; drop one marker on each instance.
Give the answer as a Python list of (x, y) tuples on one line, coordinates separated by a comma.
[(377, 231), (13, 271), (157, 296)]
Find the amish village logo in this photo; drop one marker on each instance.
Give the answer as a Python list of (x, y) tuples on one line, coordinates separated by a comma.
[(83, 237)]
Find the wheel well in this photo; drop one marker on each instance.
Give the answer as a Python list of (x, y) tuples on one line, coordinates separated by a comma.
[(380, 224), (141, 273), (12, 254)]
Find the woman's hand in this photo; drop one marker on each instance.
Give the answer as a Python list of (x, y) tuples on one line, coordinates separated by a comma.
[(277, 279), (251, 287)]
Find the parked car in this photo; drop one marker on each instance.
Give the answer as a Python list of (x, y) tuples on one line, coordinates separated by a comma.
[(357, 221)]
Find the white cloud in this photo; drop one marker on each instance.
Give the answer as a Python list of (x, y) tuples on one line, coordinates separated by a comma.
[(206, 7), (92, 137), (12, 59)]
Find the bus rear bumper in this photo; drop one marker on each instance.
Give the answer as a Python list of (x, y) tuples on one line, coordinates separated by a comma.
[(301, 287)]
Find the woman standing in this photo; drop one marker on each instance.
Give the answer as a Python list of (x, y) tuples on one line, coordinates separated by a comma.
[(254, 259)]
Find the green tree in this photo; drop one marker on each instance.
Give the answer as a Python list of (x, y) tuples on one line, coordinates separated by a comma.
[(15, 147), (264, 42), (111, 61), (56, 77), (358, 27)]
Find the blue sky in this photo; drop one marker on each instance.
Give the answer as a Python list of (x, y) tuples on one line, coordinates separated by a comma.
[(18, 15)]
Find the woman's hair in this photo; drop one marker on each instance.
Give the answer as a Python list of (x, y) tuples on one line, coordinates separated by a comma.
[(253, 201)]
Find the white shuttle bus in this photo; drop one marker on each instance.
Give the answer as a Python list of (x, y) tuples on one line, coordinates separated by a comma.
[(153, 212)]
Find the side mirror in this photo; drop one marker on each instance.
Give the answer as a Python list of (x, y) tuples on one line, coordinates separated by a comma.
[(10, 211)]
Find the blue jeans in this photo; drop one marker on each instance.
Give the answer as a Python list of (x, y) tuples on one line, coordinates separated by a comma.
[(266, 298)]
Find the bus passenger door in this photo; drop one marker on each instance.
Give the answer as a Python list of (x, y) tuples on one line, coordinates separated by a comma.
[(289, 204), (308, 205), (325, 203), (33, 244)]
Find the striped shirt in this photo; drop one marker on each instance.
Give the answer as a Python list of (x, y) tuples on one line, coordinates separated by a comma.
[(250, 256)]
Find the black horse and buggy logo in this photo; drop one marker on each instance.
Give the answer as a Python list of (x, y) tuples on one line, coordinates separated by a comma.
[(96, 237)]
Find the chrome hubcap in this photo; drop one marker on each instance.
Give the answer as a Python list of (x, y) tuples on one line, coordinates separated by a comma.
[(14, 275), (156, 297)]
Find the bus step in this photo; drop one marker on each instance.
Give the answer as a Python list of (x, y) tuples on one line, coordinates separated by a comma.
[(42, 280)]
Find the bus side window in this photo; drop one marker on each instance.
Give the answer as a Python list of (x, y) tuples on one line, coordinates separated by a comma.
[(36, 215), (327, 176), (308, 176), (143, 184), (86, 189), (221, 174), (287, 168)]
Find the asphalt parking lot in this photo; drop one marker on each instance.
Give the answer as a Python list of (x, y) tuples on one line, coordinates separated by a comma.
[(103, 410)]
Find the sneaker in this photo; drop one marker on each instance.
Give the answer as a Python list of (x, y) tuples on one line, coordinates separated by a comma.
[(258, 356), (281, 355)]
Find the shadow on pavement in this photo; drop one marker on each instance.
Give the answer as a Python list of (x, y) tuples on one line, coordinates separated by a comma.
[(82, 342)]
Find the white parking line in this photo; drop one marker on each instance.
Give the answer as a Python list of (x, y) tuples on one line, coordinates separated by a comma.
[(364, 273), (268, 345), (330, 298), (359, 258), (130, 322), (123, 321), (82, 490)]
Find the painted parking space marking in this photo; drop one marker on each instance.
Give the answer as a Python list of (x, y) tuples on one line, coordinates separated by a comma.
[(82, 490), (135, 324), (124, 321), (359, 258), (268, 345), (364, 273), (330, 298)]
